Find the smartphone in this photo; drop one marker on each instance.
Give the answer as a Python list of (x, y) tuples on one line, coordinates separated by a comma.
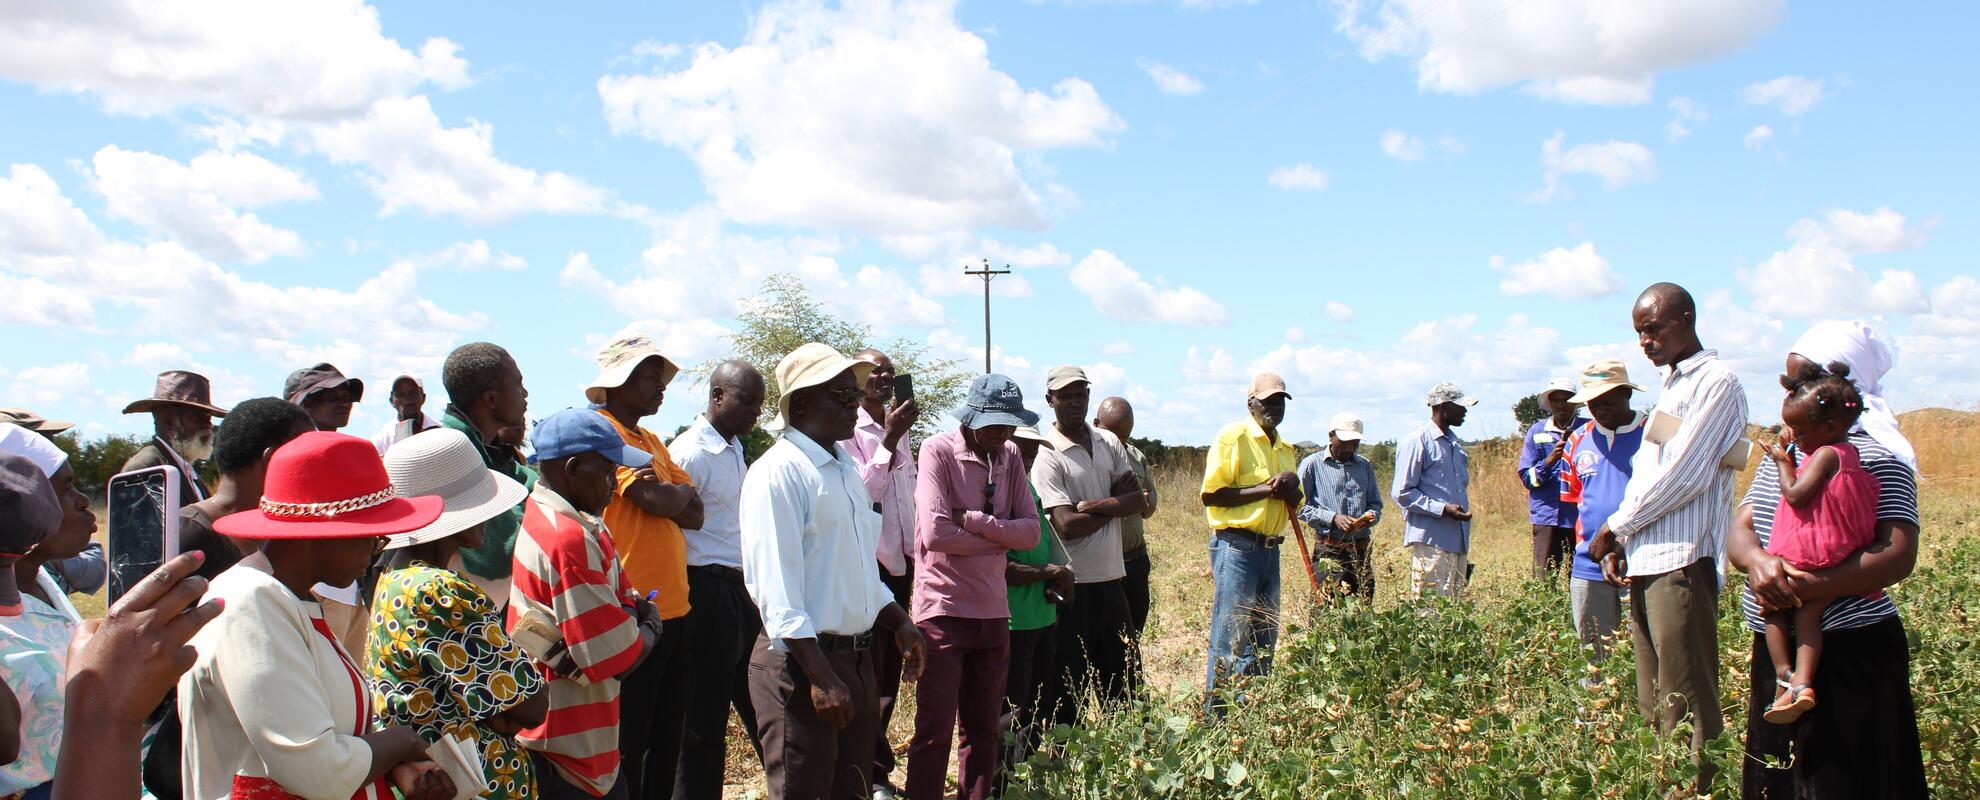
[(144, 525), (903, 388)]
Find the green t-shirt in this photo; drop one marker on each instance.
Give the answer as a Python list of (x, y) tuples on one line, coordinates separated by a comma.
[(494, 558), (1029, 608)]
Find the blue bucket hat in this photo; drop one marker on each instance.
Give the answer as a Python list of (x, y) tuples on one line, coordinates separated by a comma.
[(577, 430), (995, 400)]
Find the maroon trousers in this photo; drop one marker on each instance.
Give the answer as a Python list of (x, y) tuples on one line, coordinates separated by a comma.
[(964, 677)]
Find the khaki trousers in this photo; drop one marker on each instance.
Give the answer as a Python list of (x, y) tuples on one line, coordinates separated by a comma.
[(1673, 620)]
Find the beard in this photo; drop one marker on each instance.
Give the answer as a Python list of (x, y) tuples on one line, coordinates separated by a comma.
[(196, 447)]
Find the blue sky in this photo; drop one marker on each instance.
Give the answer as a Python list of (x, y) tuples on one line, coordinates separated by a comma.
[(1367, 196)]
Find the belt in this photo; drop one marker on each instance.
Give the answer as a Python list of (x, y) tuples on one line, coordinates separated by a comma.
[(719, 571), (856, 642), (1252, 536)]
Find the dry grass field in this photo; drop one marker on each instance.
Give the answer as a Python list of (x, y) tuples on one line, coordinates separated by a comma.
[(1174, 643)]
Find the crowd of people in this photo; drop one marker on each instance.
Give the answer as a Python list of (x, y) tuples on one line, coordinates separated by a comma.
[(486, 605)]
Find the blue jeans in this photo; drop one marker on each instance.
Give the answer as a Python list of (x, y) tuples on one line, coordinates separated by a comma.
[(1244, 617)]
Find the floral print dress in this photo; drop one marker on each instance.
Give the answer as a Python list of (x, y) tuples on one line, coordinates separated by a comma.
[(440, 662)]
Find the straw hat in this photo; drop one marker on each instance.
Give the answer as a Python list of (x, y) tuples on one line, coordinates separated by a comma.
[(442, 462), (618, 359), (327, 485), (1600, 377), (813, 364)]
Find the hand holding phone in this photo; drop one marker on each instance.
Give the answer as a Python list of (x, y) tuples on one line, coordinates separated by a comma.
[(903, 388)]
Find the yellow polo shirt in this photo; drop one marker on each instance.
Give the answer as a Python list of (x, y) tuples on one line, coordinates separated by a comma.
[(652, 549), (1243, 456)]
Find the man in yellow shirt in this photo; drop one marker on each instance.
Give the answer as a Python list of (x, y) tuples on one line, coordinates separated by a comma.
[(649, 507), (1248, 485)]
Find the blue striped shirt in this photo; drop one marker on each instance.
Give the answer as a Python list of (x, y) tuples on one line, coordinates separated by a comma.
[(1432, 471), (1897, 501), (1332, 487)]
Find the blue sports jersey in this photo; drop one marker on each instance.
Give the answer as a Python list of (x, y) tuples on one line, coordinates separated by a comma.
[(1595, 483)]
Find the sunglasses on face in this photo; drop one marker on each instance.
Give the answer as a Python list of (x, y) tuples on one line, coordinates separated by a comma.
[(849, 396)]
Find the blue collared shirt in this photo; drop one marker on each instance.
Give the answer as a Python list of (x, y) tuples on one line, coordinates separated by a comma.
[(1333, 487), (1432, 471), (1543, 480)]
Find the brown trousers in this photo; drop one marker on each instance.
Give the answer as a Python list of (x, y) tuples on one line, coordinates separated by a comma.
[(1673, 620), (805, 757)]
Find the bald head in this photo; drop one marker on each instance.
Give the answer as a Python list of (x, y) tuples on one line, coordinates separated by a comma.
[(735, 397), (1670, 297), (1115, 416), (1666, 323)]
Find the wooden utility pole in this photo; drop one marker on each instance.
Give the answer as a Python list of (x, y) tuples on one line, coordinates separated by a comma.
[(987, 274)]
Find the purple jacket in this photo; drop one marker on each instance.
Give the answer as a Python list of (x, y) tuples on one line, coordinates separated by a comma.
[(1542, 481)]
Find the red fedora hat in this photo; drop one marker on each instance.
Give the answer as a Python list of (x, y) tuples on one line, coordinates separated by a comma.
[(327, 485)]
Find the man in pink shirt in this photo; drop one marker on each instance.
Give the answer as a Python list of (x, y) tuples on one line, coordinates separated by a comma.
[(885, 455), (973, 507)]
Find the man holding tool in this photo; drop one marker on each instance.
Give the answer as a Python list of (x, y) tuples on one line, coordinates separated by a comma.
[(1248, 487)]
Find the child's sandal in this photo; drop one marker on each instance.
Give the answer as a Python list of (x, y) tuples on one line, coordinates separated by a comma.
[(1796, 701)]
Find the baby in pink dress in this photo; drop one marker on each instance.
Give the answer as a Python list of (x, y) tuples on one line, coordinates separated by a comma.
[(1828, 511)]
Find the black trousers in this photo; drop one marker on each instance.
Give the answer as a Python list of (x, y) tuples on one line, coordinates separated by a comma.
[(1135, 585), (887, 674), (721, 629), (1860, 740), (652, 707), (1032, 655), (1091, 640), (1356, 572)]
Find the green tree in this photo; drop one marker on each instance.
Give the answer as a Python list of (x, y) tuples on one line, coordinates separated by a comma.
[(1529, 410), (783, 316), (95, 460)]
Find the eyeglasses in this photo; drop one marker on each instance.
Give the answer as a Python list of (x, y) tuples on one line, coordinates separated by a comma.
[(849, 396)]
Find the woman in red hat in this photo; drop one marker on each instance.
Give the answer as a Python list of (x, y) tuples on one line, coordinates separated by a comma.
[(274, 707)]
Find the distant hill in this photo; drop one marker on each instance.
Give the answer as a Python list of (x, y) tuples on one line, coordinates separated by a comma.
[(1937, 418)]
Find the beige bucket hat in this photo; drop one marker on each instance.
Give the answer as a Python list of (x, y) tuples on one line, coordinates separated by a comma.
[(811, 365), (617, 360), (1599, 377)]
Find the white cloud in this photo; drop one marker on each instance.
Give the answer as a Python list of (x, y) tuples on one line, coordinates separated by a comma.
[(298, 60), (33, 301), (1758, 137), (1402, 146), (886, 117), (1616, 163), (61, 385), (1339, 311), (196, 203), (697, 268), (1816, 276), (1300, 177), (1118, 291), (1605, 53), (686, 342), (1955, 309), (1686, 114), (1560, 273), (412, 161), (1792, 95), (383, 322), (1171, 80), (1118, 348), (475, 255), (1880, 231)]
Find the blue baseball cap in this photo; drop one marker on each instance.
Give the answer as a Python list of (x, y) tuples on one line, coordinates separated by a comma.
[(995, 400), (578, 430)]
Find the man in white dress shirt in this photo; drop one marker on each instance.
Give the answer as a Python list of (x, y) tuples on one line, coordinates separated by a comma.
[(809, 533), (1664, 540), (722, 623)]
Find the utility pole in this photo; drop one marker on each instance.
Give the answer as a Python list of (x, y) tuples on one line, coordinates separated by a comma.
[(987, 274)]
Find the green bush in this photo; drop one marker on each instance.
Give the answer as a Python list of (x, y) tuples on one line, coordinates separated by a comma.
[(1484, 700)]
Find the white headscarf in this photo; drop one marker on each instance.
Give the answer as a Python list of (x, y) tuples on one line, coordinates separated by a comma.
[(1868, 357)]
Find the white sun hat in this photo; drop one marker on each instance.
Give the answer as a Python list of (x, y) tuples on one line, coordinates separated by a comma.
[(443, 462)]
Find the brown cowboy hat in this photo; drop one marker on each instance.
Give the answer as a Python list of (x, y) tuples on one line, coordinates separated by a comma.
[(178, 387)]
